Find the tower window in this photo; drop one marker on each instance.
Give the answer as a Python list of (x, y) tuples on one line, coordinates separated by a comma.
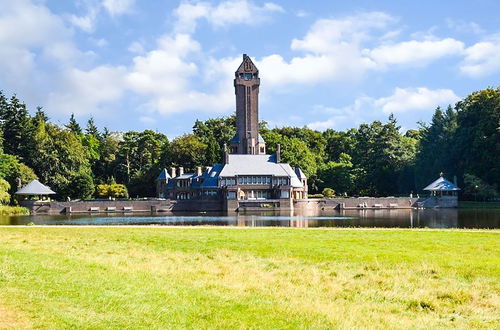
[(248, 76)]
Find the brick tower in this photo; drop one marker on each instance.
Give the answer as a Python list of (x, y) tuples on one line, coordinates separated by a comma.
[(246, 87)]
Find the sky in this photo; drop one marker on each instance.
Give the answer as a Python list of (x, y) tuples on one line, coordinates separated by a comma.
[(162, 64)]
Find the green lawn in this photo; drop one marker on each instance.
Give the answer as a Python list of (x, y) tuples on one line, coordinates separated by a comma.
[(159, 277)]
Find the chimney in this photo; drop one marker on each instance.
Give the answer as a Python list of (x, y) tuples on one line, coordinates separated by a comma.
[(198, 171), (181, 171), (172, 172), (225, 154), (278, 153)]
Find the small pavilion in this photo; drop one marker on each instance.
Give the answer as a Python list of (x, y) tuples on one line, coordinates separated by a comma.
[(442, 187), (35, 189)]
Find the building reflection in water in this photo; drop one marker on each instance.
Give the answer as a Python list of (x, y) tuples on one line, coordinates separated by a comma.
[(403, 218)]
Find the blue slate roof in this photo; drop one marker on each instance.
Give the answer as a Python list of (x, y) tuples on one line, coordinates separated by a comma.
[(163, 175), (211, 176), (442, 184)]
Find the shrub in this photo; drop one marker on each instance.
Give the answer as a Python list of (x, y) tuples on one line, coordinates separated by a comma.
[(4, 195), (112, 190), (316, 196), (328, 192)]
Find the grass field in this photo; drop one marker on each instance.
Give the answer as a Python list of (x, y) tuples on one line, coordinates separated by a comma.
[(157, 277)]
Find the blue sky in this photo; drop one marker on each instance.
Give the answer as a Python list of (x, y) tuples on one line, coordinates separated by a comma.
[(163, 64)]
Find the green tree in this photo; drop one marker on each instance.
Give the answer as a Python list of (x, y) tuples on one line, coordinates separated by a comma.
[(338, 175), (91, 128), (475, 148), (73, 125), (214, 133), (477, 189), (16, 173), (4, 192), (188, 151), (59, 159), (138, 161), (16, 128)]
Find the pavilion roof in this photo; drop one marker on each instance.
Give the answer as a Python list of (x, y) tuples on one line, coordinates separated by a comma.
[(442, 184), (35, 188)]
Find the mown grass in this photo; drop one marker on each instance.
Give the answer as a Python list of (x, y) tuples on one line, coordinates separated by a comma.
[(13, 210), (121, 277)]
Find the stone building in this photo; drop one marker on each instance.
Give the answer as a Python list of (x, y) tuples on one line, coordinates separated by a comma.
[(248, 176)]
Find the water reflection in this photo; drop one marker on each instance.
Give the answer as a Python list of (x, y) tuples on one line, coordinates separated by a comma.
[(402, 218)]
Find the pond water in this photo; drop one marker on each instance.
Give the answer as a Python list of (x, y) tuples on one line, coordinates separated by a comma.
[(407, 218)]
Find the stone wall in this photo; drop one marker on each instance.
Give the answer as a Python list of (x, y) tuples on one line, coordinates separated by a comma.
[(103, 206), (308, 205)]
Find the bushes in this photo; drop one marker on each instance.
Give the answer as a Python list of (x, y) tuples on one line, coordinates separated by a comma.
[(4, 195), (316, 196), (13, 210), (328, 192), (112, 190)]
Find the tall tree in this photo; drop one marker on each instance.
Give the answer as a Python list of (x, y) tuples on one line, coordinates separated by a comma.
[(91, 128), (73, 125), (17, 128)]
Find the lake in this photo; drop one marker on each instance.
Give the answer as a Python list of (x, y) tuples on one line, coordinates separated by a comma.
[(403, 218)]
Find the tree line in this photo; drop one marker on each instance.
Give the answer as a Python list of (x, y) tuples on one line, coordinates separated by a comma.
[(375, 159)]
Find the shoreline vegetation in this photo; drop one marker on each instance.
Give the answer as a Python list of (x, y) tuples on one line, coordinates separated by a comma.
[(275, 278), (481, 205), (6, 210), (376, 158)]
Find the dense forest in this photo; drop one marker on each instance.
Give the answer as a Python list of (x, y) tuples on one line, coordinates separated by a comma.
[(374, 159)]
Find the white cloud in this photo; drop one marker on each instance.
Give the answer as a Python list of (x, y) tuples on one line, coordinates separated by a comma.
[(225, 13), (84, 92), (331, 35), (30, 38), (482, 58), (166, 73), (415, 52), (409, 104), (118, 7), (136, 47), (86, 22), (463, 26), (332, 50), (409, 99)]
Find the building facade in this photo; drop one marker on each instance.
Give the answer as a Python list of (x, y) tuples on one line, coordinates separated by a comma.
[(248, 176)]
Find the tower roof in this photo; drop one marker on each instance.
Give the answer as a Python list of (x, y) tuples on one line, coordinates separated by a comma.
[(247, 66), (163, 175)]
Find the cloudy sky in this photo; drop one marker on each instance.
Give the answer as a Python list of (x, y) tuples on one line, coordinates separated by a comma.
[(161, 64)]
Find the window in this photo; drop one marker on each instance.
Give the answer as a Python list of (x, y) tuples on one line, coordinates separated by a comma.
[(231, 195), (247, 76)]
